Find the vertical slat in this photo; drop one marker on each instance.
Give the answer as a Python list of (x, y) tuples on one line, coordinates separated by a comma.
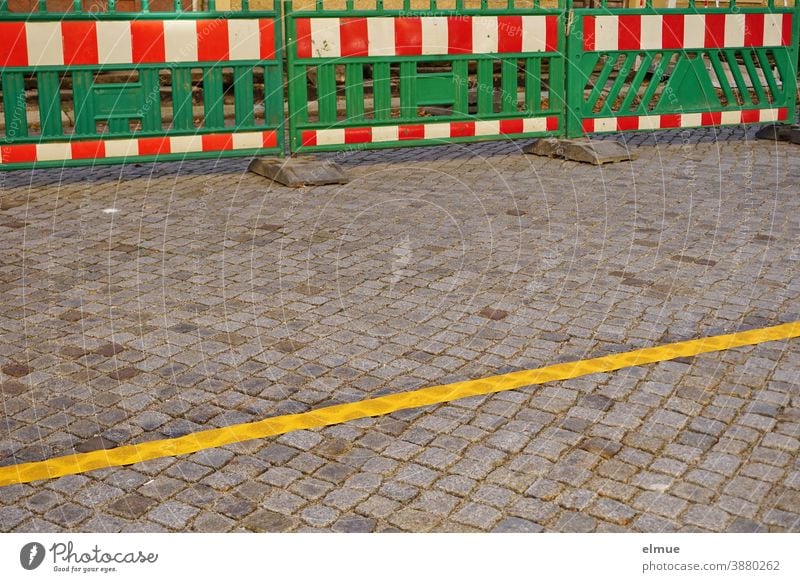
[(354, 91), (461, 76), (273, 95), (298, 93), (83, 100), (733, 66), (182, 117), (382, 90), (14, 105), (508, 85), (49, 103), (408, 90), (214, 112), (243, 96), (533, 84), (326, 91), (751, 71), (151, 111), (763, 61), (485, 87)]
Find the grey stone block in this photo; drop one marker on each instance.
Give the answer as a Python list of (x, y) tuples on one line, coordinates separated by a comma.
[(776, 132), (299, 172), (580, 150)]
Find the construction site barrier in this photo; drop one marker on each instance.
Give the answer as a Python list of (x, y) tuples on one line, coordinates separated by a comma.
[(139, 80)]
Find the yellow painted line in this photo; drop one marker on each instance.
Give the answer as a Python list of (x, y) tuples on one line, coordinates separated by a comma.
[(129, 454)]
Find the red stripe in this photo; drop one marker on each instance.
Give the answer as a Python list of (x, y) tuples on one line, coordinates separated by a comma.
[(411, 132), (266, 30), (459, 35), (462, 129), (711, 118), (18, 154), (151, 146), (783, 114), (212, 40), (357, 135), (786, 36), (552, 123), (354, 37), (753, 30), (630, 32), (551, 40), (509, 34), (588, 33), (588, 125), (13, 44), (91, 150), (627, 123), (671, 120), (80, 42), (715, 31), (511, 125), (308, 138), (217, 142), (672, 31), (270, 139), (302, 27), (408, 36), (751, 116), (147, 41)]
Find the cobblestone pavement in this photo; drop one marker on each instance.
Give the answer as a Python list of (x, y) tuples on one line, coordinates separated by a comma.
[(156, 300)]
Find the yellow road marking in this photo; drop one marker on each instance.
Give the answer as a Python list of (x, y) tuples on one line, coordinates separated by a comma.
[(129, 454)]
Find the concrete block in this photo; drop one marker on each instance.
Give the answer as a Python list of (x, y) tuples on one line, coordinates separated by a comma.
[(299, 172), (580, 150)]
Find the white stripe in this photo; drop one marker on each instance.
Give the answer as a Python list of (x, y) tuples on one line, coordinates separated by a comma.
[(650, 122), (484, 34), (434, 35), (729, 117), (734, 30), (114, 42), (651, 32), (691, 119), (325, 38), (385, 133), (769, 115), (380, 33), (44, 43), (246, 141), (606, 33), (184, 144), (773, 34), (487, 127), (53, 151), (180, 41), (532, 124), (605, 124), (330, 136), (694, 31), (121, 148), (534, 34), (244, 38), (437, 130)]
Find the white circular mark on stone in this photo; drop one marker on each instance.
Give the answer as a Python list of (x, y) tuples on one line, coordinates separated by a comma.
[(110, 210)]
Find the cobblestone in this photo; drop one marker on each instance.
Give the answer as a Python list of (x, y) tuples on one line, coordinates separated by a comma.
[(199, 306)]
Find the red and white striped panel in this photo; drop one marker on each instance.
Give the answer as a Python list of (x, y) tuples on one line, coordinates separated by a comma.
[(143, 146), (669, 121), (685, 31), (426, 131), (429, 35), (124, 42)]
